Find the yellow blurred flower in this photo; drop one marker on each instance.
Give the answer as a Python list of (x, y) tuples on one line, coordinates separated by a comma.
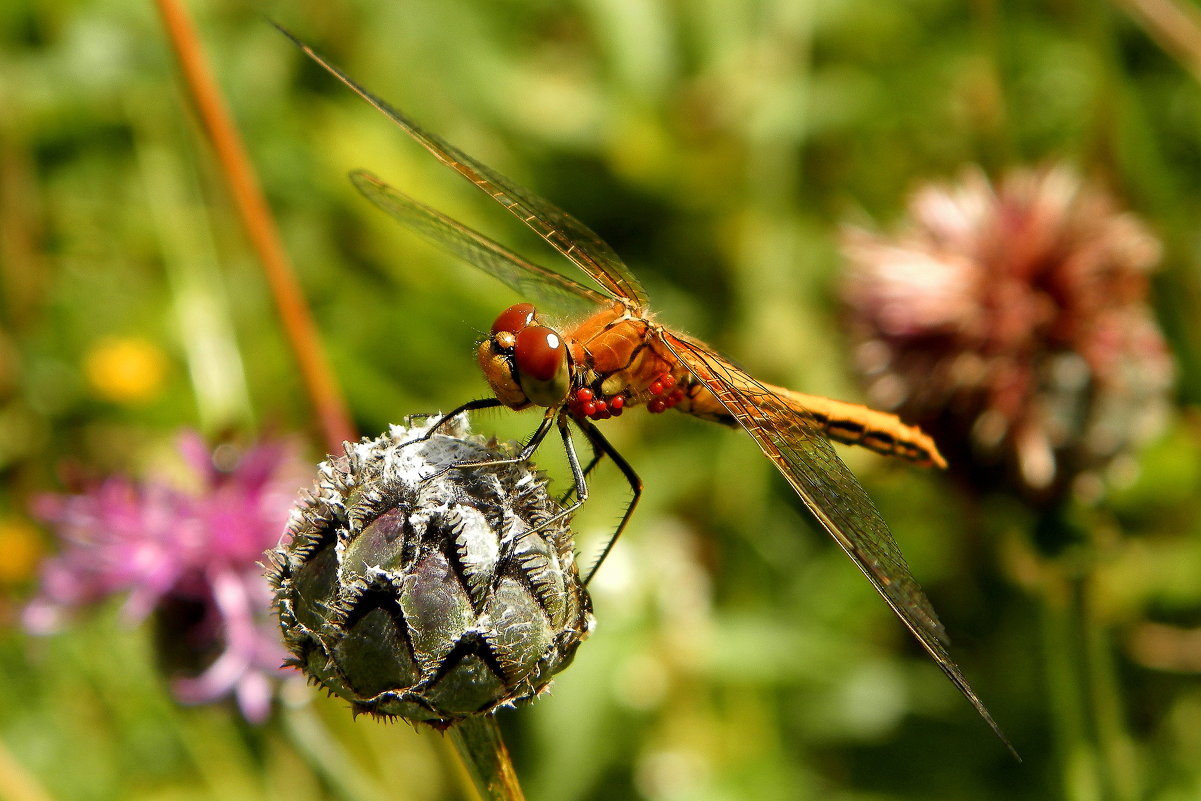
[(128, 370), (21, 545)]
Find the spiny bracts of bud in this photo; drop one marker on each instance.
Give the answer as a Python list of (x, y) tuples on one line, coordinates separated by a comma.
[(429, 597)]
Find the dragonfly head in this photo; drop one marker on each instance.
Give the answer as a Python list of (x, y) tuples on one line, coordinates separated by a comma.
[(525, 362)]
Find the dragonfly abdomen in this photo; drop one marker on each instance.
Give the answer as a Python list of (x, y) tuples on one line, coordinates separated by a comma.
[(855, 424), (848, 423)]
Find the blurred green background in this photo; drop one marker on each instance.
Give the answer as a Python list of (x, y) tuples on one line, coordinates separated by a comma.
[(717, 146)]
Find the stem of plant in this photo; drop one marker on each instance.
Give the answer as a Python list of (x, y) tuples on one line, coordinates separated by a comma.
[(478, 740), (1096, 753), (479, 743), (260, 226)]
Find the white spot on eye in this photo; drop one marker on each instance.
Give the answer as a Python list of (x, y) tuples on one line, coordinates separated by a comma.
[(552, 339)]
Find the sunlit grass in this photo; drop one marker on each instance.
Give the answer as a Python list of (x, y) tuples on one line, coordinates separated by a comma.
[(718, 147)]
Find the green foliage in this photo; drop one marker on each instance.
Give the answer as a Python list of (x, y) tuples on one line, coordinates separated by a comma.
[(718, 146)]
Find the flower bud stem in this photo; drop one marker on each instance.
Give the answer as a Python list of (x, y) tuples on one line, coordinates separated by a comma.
[(478, 741)]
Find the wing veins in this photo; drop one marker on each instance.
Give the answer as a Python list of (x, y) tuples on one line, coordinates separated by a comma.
[(532, 281), (847, 514), (574, 240)]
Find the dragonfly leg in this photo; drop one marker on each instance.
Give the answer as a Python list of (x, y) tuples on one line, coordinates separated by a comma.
[(469, 406), (600, 445), (600, 448), (526, 451), (592, 463), (579, 475), (553, 416)]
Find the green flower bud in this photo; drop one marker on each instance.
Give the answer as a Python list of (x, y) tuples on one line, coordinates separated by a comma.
[(432, 597)]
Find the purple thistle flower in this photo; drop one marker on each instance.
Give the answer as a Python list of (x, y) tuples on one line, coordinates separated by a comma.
[(189, 557), (1011, 321)]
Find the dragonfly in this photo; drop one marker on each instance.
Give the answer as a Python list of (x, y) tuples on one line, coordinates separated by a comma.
[(618, 357)]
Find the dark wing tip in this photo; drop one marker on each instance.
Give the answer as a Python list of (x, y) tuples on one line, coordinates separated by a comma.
[(361, 177), (286, 33)]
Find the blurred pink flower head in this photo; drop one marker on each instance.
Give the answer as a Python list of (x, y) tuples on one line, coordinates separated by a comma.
[(187, 555), (1011, 321)]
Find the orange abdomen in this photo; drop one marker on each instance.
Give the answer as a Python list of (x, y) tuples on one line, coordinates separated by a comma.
[(848, 423)]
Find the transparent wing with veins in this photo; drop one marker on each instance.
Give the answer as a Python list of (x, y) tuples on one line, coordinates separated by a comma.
[(563, 232), (534, 283), (794, 445), (832, 493)]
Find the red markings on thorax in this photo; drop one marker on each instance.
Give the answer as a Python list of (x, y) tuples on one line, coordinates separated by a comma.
[(623, 359)]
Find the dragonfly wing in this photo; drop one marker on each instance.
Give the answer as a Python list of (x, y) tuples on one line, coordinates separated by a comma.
[(531, 281), (832, 494), (565, 233)]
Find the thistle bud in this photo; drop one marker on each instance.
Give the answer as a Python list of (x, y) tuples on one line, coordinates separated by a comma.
[(430, 597)]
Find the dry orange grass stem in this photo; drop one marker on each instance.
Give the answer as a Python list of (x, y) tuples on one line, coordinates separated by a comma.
[(1175, 26), (478, 740), (260, 226)]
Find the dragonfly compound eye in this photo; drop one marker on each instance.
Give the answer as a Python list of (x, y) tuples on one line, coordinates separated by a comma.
[(514, 319), (541, 358)]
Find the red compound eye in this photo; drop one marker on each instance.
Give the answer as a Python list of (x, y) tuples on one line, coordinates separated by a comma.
[(514, 319), (539, 352)]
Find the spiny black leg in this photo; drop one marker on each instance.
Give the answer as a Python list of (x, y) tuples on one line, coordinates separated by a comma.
[(527, 450), (578, 474), (596, 457), (601, 445), (469, 406)]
